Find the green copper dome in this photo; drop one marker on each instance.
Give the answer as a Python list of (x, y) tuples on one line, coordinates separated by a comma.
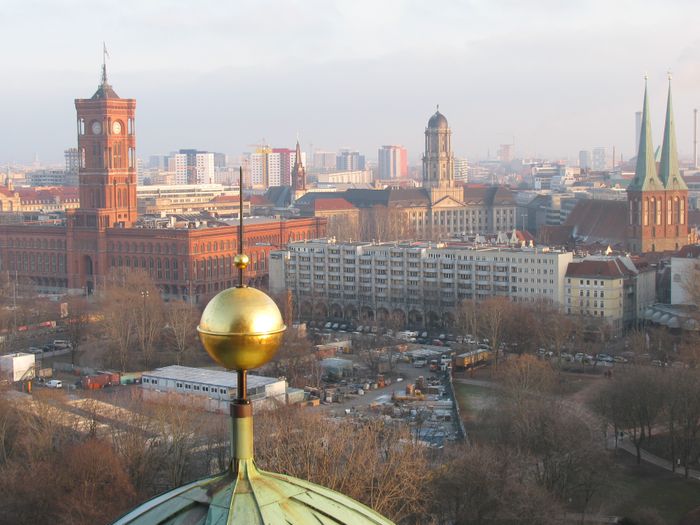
[(254, 497)]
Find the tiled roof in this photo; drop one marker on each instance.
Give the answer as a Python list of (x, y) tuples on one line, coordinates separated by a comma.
[(337, 203), (227, 198), (611, 268), (555, 235), (691, 251), (488, 195), (599, 220)]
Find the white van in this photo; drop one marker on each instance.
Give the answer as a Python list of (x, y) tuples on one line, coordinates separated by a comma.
[(62, 343), (54, 383)]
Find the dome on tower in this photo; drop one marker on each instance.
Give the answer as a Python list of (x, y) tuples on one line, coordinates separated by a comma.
[(252, 497), (438, 121)]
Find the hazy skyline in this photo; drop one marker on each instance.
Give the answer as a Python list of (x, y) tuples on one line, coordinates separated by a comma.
[(556, 76)]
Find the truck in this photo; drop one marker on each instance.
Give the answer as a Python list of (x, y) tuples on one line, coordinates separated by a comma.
[(98, 381), (472, 359)]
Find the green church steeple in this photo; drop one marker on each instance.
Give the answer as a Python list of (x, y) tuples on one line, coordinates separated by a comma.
[(645, 176), (669, 173)]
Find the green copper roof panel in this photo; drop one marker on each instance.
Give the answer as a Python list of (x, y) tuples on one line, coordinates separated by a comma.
[(645, 177), (669, 172)]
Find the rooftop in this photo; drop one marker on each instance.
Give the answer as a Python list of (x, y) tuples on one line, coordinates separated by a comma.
[(206, 376)]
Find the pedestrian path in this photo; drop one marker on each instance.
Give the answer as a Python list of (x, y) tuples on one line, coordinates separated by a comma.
[(653, 459)]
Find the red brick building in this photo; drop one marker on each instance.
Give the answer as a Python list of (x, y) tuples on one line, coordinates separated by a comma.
[(657, 196), (189, 261)]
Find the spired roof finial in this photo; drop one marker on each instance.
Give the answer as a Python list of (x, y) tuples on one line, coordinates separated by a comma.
[(645, 175), (669, 170)]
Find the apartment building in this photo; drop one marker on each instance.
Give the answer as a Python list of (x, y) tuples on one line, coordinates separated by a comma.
[(610, 289), (416, 283)]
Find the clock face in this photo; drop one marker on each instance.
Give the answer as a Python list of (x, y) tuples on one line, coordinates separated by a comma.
[(116, 128), (96, 128)]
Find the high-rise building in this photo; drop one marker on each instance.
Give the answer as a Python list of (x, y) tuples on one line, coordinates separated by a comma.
[(505, 153), (348, 160), (461, 170), (72, 159), (324, 161), (177, 164), (599, 161), (657, 202), (584, 159), (273, 166), (220, 160), (392, 162), (199, 168), (159, 162), (204, 165)]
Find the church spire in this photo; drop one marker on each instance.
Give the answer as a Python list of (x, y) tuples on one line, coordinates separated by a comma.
[(669, 173), (645, 177), (298, 172)]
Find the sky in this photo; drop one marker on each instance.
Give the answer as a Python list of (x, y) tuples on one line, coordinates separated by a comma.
[(554, 77)]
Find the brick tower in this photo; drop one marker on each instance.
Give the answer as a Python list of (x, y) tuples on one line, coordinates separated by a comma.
[(107, 180), (657, 202)]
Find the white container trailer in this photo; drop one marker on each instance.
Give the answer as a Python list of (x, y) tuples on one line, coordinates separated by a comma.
[(18, 366)]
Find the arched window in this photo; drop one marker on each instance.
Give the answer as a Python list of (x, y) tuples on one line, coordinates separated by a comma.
[(669, 212), (645, 212), (682, 213), (657, 210)]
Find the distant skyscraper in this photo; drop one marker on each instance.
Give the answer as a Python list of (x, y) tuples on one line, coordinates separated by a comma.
[(220, 160), (461, 170), (324, 161), (72, 158), (637, 129), (273, 166), (505, 152), (177, 164), (349, 161), (392, 162), (599, 162), (584, 159), (191, 166), (204, 164)]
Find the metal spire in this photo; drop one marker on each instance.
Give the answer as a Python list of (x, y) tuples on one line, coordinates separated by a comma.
[(645, 177), (105, 56), (669, 172)]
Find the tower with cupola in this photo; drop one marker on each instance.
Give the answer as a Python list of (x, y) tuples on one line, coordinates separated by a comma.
[(107, 151)]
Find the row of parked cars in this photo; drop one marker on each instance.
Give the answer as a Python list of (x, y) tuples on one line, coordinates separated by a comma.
[(55, 346)]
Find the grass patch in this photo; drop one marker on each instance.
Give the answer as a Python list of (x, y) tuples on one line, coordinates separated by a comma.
[(635, 486), (472, 399)]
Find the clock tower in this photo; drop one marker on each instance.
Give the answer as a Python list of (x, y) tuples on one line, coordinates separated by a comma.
[(107, 150), (107, 182)]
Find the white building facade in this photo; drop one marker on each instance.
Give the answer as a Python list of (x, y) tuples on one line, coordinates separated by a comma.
[(211, 390), (419, 284)]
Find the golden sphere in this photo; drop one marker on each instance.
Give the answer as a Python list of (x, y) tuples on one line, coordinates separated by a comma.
[(241, 261), (241, 328)]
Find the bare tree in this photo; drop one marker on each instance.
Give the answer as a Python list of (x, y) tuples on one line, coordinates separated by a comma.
[(373, 462), (633, 403), (182, 318), (493, 313), (490, 485), (78, 322)]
